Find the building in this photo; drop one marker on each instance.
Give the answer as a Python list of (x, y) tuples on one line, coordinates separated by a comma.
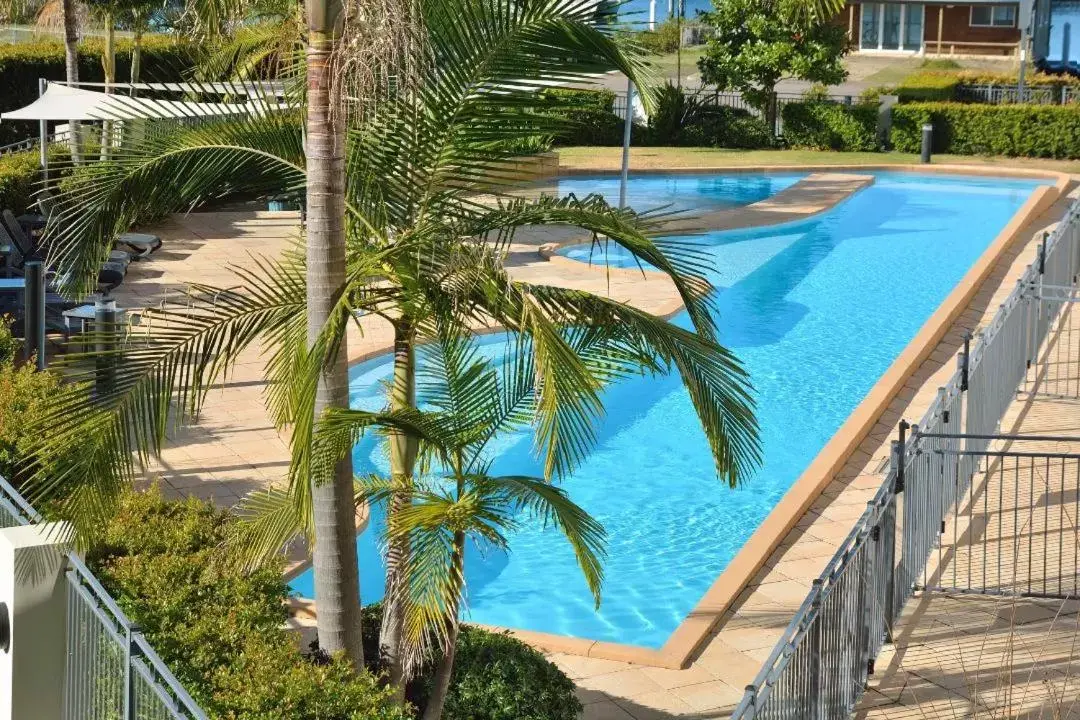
[(973, 28)]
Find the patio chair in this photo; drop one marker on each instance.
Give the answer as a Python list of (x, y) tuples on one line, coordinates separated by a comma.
[(109, 276), (140, 244)]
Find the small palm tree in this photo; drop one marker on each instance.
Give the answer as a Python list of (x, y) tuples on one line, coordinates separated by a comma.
[(468, 400)]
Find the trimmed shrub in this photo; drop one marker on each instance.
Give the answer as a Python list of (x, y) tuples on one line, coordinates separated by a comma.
[(222, 631), (590, 115), (19, 173), (1048, 131), (830, 126), (728, 127), (21, 65), (495, 677), (928, 86), (664, 40)]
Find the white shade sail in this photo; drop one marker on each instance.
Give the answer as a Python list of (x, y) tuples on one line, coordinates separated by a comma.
[(61, 103)]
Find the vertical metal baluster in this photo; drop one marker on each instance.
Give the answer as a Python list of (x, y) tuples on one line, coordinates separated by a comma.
[(1031, 520)]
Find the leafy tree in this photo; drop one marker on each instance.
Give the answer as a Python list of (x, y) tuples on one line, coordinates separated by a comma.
[(757, 44)]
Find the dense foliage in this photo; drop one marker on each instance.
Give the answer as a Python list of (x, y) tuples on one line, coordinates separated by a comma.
[(163, 59), (754, 47), (589, 115), (831, 126), (928, 86), (221, 631), (662, 40), (496, 677), (689, 120), (1049, 131), (18, 174)]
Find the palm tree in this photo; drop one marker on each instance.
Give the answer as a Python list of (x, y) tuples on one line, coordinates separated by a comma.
[(422, 249), (469, 401)]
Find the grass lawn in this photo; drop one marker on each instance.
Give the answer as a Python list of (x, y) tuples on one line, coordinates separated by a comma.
[(641, 158)]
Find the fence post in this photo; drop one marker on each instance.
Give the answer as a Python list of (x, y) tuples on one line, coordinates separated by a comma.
[(34, 312), (815, 651), (965, 362), (901, 448), (105, 331)]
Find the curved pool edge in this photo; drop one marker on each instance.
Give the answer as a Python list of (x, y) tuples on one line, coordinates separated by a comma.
[(692, 633)]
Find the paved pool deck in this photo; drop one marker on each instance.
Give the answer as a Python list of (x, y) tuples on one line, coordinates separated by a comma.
[(234, 449)]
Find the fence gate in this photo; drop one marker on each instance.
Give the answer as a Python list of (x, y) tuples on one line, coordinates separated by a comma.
[(1054, 368), (1010, 512)]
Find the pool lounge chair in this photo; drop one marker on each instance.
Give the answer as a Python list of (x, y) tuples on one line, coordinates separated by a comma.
[(11, 234), (139, 244)]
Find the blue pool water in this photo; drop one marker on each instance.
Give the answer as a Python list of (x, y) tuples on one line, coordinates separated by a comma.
[(816, 311)]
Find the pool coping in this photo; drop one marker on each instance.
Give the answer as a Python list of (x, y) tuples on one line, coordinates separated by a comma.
[(692, 633)]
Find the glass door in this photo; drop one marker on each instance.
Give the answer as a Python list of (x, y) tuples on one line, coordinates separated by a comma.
[(868, 37), (890, 26), (913, 27)]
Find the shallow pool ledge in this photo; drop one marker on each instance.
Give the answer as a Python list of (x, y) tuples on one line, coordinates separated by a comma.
[(815, 194)]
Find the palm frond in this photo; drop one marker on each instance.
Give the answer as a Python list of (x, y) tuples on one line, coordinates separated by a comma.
[(553, 507)]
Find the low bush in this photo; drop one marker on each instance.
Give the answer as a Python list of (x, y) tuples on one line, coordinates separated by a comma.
[(1048, 131), (222, 631), (663, 40), (831, 126), (495, 677), (19, 174), (680, 119), (928, 86), (590, 116)]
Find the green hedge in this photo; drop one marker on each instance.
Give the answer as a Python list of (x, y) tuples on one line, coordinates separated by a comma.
[(22, 64), (222, 632), (830, 126), (1047, 131), (590, 114), (928, 86), (18, 174)]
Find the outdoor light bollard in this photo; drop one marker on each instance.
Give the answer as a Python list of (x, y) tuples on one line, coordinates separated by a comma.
[(927, 141), (105, 339), (34, 315)]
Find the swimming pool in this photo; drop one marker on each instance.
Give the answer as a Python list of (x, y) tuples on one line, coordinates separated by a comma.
[(816, 311)]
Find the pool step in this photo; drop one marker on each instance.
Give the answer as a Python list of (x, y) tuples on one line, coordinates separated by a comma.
[(813, 195)]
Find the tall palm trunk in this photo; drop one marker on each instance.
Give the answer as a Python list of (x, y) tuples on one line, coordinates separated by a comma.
[(71, 67), (337, 592), (403, 450), (108, 65), (136, 53), (443, 673)]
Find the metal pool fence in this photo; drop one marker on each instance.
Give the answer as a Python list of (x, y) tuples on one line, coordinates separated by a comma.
[(112, 672), (819, 668), (1012, 94)]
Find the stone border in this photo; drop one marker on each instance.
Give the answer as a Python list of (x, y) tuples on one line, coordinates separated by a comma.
[(695, 629)]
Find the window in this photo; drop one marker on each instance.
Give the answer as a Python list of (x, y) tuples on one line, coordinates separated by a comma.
[(869, 37), (891, 26), (993, 16)]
